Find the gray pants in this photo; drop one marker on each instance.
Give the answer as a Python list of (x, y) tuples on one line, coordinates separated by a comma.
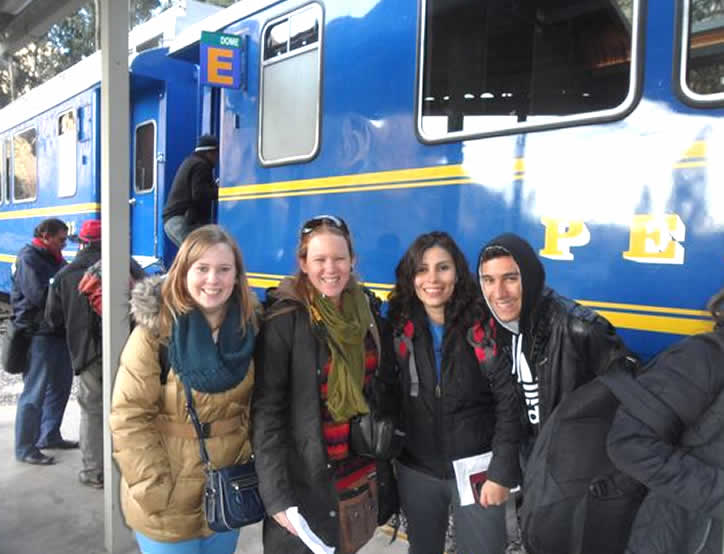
[(426, 501), (90, 399)]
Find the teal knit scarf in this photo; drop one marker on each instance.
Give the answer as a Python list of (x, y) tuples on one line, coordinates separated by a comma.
[(207, 366)]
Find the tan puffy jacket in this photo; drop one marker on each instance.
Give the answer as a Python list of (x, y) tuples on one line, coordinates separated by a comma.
[(155, 445)]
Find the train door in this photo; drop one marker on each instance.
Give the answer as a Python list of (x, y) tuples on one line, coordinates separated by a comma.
[(144, 176)]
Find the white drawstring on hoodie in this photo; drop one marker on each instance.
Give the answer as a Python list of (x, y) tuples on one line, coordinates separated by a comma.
[(528, 381)]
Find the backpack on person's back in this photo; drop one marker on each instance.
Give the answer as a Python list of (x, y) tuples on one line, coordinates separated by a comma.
[(575, 500)]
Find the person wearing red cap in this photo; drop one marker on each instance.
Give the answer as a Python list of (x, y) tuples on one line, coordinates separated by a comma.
[(190, 203), (67, 310)]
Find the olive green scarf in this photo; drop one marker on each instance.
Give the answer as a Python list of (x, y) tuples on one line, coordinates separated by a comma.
[(345, 331)]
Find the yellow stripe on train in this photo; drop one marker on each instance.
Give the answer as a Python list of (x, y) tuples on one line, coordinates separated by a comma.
[(89, 207), (672, 323)]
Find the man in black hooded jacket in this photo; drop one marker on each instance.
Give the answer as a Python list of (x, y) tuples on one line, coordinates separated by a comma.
[(555, 344)]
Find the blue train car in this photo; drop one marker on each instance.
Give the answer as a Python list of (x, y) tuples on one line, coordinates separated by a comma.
[(50, 144), (590, 128)]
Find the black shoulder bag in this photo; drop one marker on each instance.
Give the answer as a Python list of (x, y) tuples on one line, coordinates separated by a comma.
[(231, 494), (14, 348)]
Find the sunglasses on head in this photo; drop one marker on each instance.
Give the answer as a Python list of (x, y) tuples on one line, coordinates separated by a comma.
[(331, 220)]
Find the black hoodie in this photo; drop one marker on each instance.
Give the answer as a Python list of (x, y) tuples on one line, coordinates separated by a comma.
[(564, 344), (531, 272)]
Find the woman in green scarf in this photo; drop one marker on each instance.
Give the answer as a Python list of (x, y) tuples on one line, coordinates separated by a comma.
[(318, 350)]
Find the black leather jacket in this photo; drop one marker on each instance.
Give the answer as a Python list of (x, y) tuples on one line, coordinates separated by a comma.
[(472, 411), (569, 345), (68, 310)]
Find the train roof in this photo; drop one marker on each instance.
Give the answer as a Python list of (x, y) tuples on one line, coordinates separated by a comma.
[(71, 82), (186, 45), (86, 74)]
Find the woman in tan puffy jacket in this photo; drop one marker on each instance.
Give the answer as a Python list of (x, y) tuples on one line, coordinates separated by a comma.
[(205, 313)]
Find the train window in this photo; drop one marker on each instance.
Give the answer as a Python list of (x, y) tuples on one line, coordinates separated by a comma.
[(290, 88), (276, 39), (701, 72), (25, 165), (145, 156), (67, 155), (500, 67), (304, 29), (84, 123)]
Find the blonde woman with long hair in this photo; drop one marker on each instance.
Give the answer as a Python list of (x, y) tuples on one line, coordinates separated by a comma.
[(203, 314)]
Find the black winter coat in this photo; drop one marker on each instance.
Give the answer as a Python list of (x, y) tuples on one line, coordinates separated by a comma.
[(475, 409), (684, 509), (570, 345), (67, 309), (193, 191), (291, 455), (34, 269)]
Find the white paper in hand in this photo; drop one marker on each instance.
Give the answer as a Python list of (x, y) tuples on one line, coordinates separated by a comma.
[(309, 537), (464, 468)]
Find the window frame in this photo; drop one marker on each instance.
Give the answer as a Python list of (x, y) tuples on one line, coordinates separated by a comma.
[(631, 100), (74, 116), (681, 51), (155, 152), (3, 200), (318, 45), (6, 149), (12, 143)]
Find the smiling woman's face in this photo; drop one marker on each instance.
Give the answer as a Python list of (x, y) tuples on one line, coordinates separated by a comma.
[(435, 279), (328, 264), (210, 279)]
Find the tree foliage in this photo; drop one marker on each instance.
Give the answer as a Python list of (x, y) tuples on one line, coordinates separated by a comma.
[(65, 44)]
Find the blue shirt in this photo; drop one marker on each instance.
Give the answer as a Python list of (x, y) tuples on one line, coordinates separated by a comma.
[(437, 332)]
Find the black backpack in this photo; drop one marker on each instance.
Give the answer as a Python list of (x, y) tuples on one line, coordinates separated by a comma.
[(575, 500)]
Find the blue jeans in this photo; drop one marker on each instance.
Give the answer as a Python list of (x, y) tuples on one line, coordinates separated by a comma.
[(177, 229), (218, 543), (46, 387)]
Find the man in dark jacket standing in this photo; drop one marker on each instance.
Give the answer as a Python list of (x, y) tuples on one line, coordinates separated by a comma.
[(684, 471), (556, 345), (69, 311), (48, 378), (193, 192)]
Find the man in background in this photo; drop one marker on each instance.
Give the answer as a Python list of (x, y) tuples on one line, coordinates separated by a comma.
[(68, 311), (194, 191), (48, 377)]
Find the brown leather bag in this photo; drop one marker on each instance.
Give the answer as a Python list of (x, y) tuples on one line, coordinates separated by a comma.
[(358, 514)]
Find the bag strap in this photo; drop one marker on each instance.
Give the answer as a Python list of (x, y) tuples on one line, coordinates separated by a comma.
[(641, 403), (163, 362), (198, 426), (483, 345), (403, 344)]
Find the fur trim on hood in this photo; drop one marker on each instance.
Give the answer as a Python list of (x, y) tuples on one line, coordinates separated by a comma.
[(146, 302)]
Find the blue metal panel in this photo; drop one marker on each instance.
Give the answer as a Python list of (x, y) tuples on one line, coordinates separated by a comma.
[(600, 174), (144, 109)]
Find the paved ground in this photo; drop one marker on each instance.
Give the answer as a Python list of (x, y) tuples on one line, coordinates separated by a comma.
[(45, 510)]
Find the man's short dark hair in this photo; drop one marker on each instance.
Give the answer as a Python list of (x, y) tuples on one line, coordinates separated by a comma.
[(51, 226), (494, 251)]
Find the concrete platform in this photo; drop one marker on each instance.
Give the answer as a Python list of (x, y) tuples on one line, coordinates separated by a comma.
[(45, 509)]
